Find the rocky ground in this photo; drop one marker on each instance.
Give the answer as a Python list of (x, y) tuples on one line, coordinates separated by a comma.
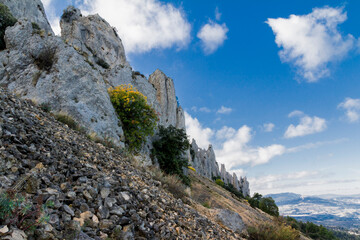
[(96, 191)]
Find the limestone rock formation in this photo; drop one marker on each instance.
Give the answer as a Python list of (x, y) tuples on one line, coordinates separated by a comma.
[(94, 36), (32, 10), (46, 70), (165, 95), (204, 161), (205, 164)]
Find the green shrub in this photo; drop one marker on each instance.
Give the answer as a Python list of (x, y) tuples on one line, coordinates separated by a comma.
[(267, 205), (273, 232), (36, 28), (6, 20), (310, 229), (138, 118), (15, 210), (45, 107), (169, 151), (206, 204), (46, 58), (219, 182)]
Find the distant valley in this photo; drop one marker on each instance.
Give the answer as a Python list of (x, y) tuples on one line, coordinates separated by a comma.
[(328, 210)]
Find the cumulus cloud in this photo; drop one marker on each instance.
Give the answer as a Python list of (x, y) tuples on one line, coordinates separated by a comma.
[(232, 147), (268, 127), (144, 25), (195, 130), (212, 36), (308, 125), (352, 109), (310, 42), (54, 20), (235, 150), (296, 113), (224, 110)]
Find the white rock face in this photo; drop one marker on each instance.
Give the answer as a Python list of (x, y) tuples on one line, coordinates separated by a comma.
[(70, 85), (94, 36), (230, 219), (170, 111), (33, 10), (204, 161)]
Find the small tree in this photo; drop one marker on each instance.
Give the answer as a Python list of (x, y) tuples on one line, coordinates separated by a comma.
[(169, 150), (138, 118), (6, 20)]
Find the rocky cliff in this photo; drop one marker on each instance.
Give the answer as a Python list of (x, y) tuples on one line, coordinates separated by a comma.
[(71, 74), (205, 164)]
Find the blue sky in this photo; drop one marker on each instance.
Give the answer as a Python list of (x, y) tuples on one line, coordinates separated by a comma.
[(273, 86)]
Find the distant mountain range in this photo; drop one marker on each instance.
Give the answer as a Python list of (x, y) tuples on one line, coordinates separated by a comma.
[(328, 210)]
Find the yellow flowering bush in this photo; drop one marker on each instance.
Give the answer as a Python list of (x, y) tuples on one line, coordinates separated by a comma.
[(138, 118)]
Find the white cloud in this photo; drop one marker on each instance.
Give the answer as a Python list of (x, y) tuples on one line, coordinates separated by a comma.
[(143, 25), (54, 20), (235, 151), (224, 110), (312, 41), (296, 113), (231, 145), (268, 127), (308, 125), (199, 133), (352, 108), (212, 36)]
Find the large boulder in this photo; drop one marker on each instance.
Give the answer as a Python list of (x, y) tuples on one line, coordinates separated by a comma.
[(33, 10), (46, 70), (230, 219)]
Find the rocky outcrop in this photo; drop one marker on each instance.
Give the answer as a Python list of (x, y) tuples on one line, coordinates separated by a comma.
[(32, 10), (48, 71), (204, 161), (96, 192), (205, 164), (79, 68), (93, 36)]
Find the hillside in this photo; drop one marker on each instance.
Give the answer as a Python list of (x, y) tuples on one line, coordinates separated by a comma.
[(88, 182)]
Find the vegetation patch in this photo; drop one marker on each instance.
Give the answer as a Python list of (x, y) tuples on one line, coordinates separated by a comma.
[(272, 232), (134, 74), (69, 121), (36, 28), (311, 230), (19, 212), (229, 187), (6, 20), (169, 151), (265, 204), (46, 58), (139, 118), (172, 183)]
